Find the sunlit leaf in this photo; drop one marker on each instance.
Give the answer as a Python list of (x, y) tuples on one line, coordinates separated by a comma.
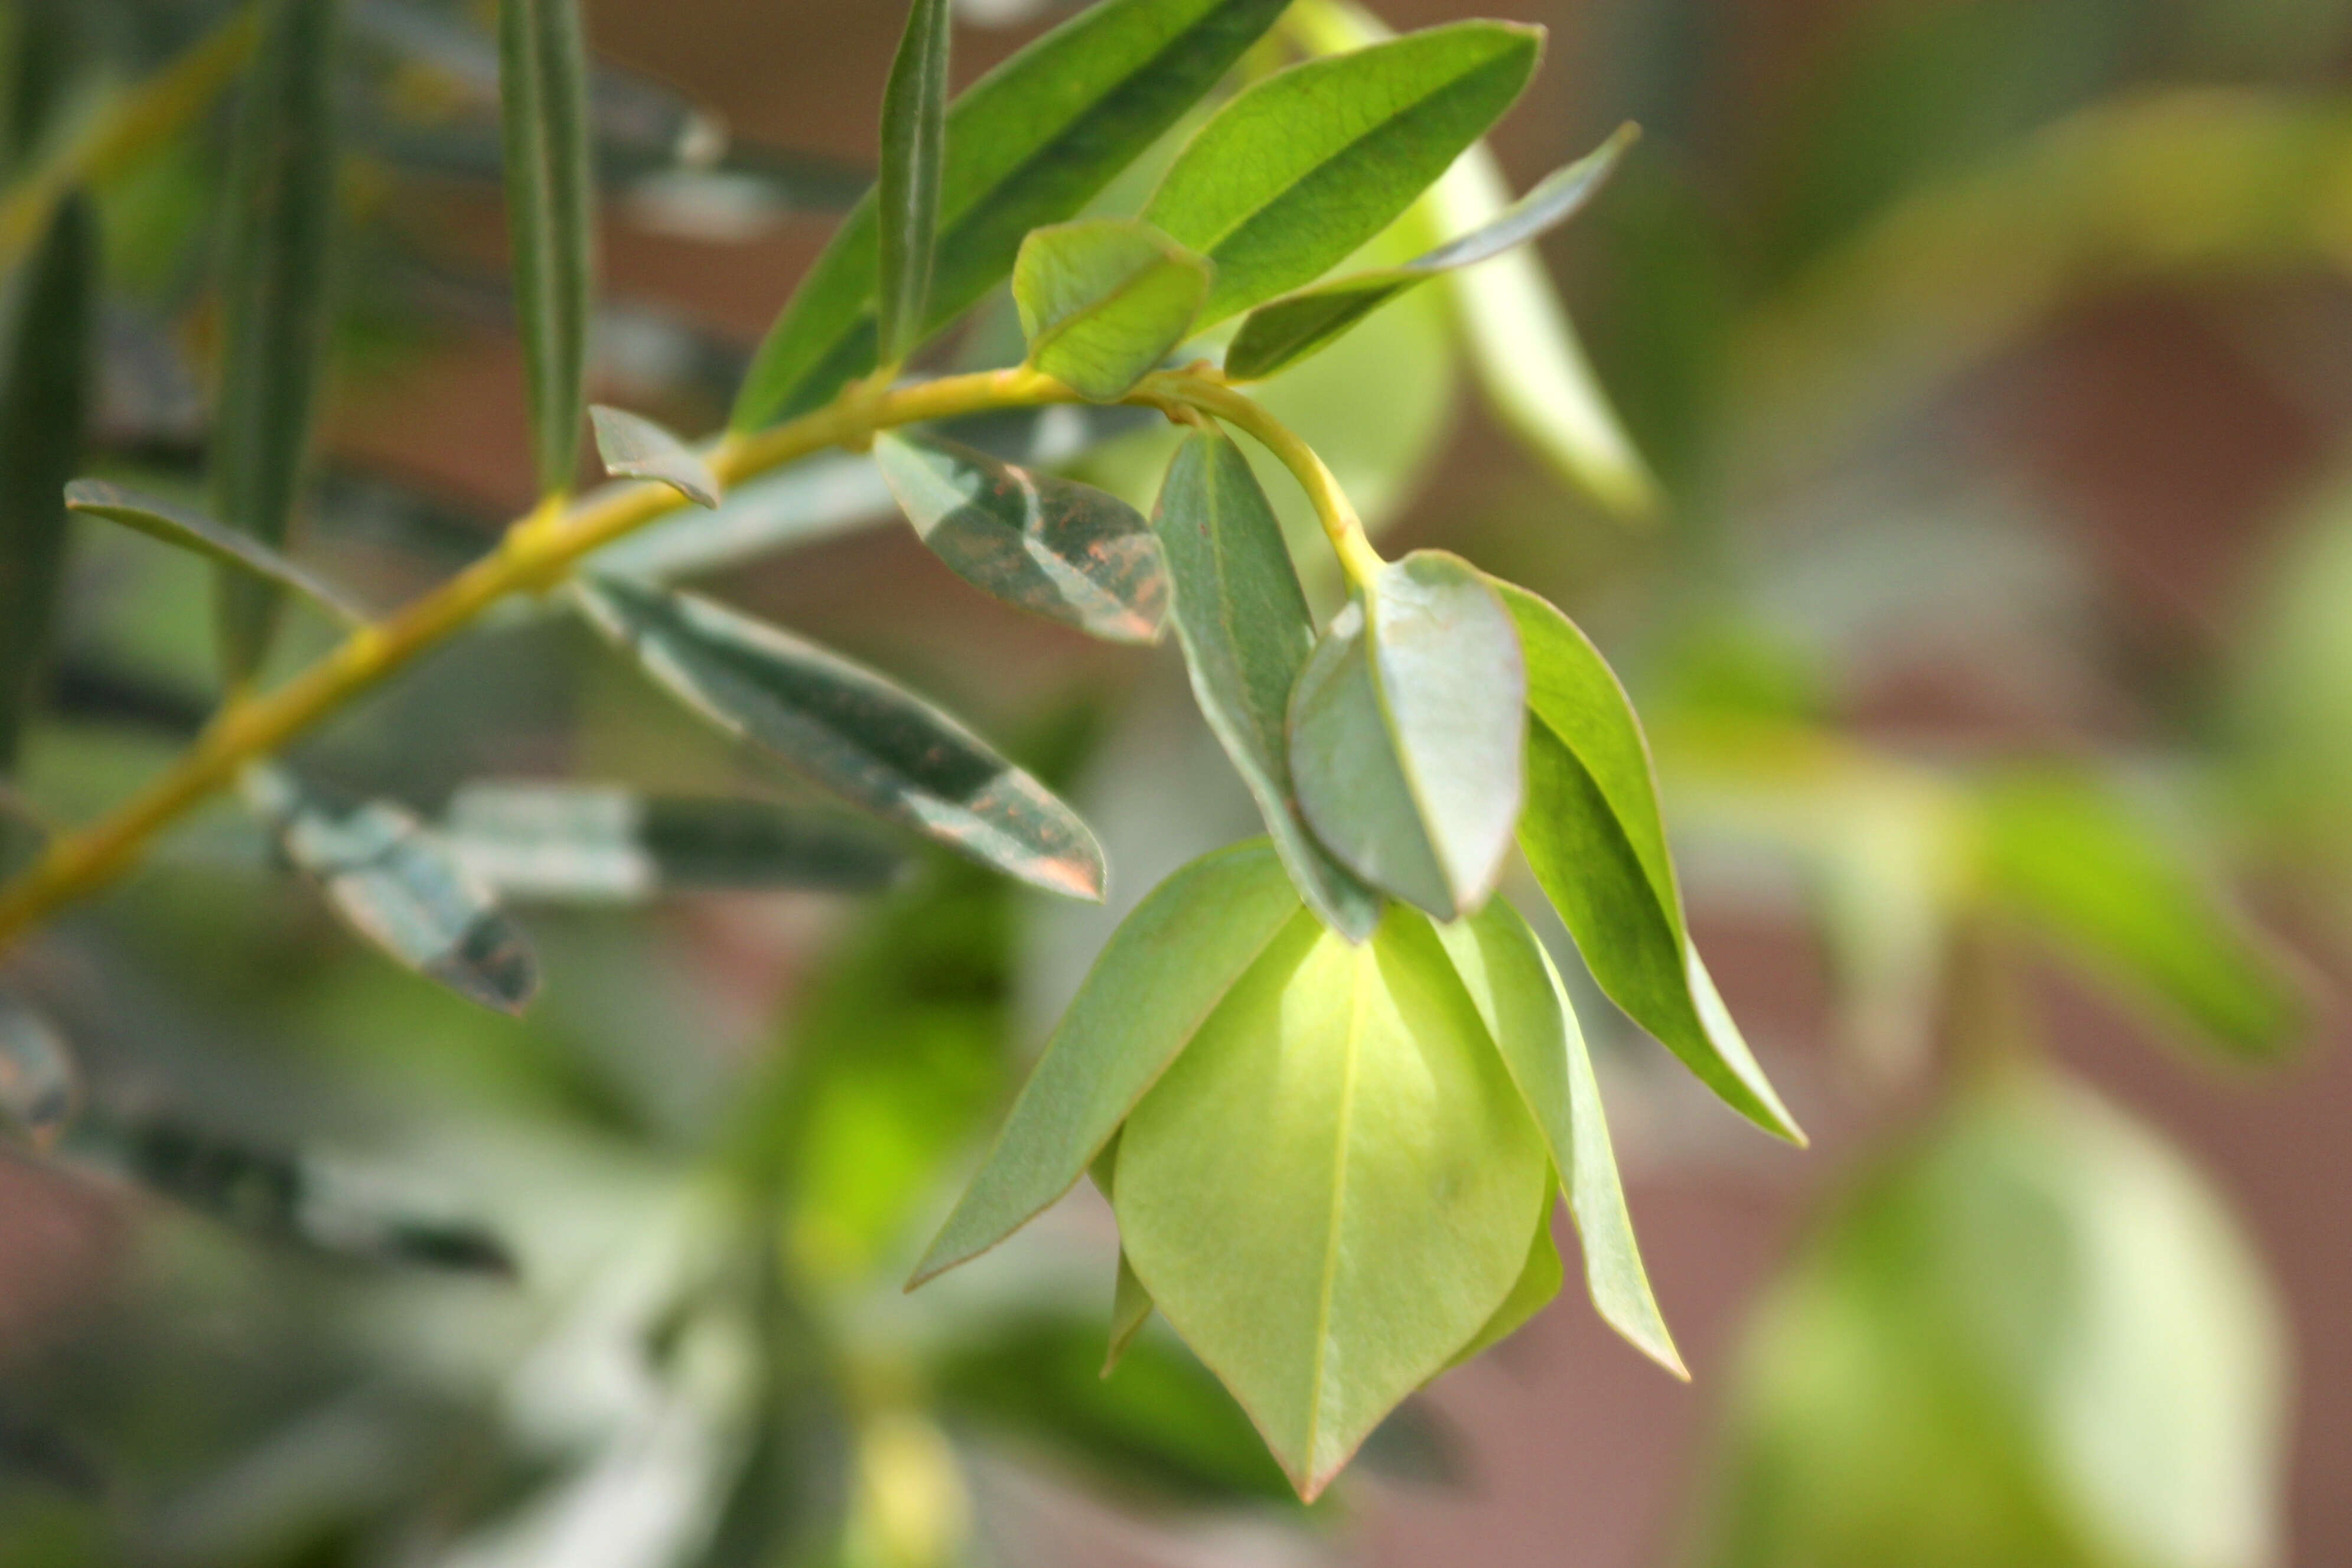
[(1052, 546), (1595, 840), (1407, 733), (40, 1088), (1170, 965), (400, 887), (1242, 619), (635, 447), (1104, 300), (1328, 1193), (200, 535), (1282, 331), (907, 194), (850, 730), (1539, 1281), (279, 223), (551, 218), (1305, 166)]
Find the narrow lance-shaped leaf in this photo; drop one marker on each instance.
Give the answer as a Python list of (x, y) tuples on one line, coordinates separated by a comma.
[(1596, 842), (914, 146), (1052, 546), (852, 731), (199, 535), (1029, 145), (1407, 734), (1282, 331), (1242, 618), (401, 888), (39, 1087), (279, 226), (47, 357), (1300, 170), (1104, 300), (551, 217), (635, 447)]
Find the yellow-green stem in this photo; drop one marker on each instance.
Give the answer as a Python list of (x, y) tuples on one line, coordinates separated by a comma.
[(1342, 526)]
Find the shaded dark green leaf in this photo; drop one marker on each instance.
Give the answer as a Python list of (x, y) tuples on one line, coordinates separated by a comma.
[(635, 447), (1308, 164), (279, 225), (906, 193), (1244, 621), (400, 887), (40, 1089), (551, 218), (849, 729), (1284, 331), (1104, 300), (200, 535), (1051, 546), (1029, 145)]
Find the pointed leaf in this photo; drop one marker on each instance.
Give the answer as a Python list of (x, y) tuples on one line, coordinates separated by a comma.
[(1519, 995), (1165, 971), (40, 1089), (1051, 546), (1407, 733), (1242, 619), (47, 360), (1282, 331), (1130, 1309), (1104, 300), (1539, 1281), (1594, 838), (850, 730), (914, 142), (551, 218), (200, 535), (1308, 164), (1329, 1192), (281, 218), (635, 447), (1029, 145)]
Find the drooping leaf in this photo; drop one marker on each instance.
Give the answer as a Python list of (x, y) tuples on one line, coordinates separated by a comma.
[(1104, 300), (2081, 863), (1130, 1309), (1526, 1008), (274, 272), (46, 360), (914, 147), (849, 729), (1540, 1277), (1244, 621), (1282, 331), (1407, 734), (635, 447), (1168, 966), (1029, 145), (40, 1089), (551, 218), (563, 843), (200, 535), (1329, 1192), (401, 888), (1594, 838), (1052, 546), (1308, 164)]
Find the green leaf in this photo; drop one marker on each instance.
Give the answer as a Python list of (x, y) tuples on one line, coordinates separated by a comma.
[(1244, 621), (561, 842), (47, 362), (1329, 1192), (852, 731), (2070, 857), (1539, 1281), (914, 144), (1596, 842), (1104, 300), (1130, 1309), (551, 218), (401, 888), (1166, 970), (1526, 1008), (1051, 546), (635, 447), (274, 272), (1029, 145), (1407, 732), (40, 1088), (1308, 164), (200, 535), (1284, 331)]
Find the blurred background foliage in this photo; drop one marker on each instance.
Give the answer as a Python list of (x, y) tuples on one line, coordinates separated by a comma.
[(1992, 620)]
